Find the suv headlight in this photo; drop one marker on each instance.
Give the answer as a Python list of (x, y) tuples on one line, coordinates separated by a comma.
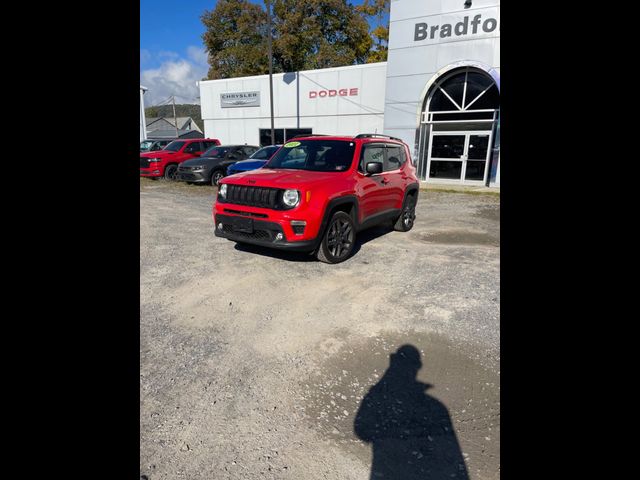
[(223, 190), (290, 198)]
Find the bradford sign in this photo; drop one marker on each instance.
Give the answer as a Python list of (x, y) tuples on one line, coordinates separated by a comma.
[(476, 25), (240, 99)]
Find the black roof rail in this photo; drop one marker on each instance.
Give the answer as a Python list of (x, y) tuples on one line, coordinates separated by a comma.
[(372, 135)]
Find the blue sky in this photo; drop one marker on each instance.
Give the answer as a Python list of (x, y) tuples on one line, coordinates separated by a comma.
[(172, 56)]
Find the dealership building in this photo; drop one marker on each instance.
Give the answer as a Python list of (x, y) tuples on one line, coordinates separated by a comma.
[(438, 91)]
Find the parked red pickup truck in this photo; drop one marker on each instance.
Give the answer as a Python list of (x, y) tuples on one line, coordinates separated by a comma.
[(164, 163)]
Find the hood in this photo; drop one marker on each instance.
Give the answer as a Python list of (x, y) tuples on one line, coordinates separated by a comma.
[(282, 178), (201, 161), (248, 164), (157, 154)]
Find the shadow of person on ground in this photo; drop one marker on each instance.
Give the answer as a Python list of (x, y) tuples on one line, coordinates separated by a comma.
[(410, 431)]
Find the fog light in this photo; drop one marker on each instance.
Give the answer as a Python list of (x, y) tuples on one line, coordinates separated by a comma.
[(298, 226), (279, 236), (220, 226)]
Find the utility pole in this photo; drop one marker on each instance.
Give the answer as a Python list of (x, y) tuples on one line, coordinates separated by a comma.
[(273, 140), (175, 119)]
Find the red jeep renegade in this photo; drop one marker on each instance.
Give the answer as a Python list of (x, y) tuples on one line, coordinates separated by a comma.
[(164, 163), (316, 192)]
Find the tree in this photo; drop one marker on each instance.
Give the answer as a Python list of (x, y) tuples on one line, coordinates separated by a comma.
[(307, 34), (311, 34), (235, 39), (377, 10)]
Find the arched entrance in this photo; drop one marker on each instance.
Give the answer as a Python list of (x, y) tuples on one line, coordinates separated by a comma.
[(459, 128)]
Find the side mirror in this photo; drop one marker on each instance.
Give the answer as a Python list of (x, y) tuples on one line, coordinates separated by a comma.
[(373, 168)]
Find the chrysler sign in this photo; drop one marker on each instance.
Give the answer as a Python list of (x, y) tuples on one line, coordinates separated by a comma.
[(240, 99)]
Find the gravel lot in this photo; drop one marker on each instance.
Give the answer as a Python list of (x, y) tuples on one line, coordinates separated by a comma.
[(254, 363)]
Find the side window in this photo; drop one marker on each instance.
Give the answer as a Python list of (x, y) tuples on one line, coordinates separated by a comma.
[(371, 153), (395, 158), (235, 154), (248, 151), (192, 147)]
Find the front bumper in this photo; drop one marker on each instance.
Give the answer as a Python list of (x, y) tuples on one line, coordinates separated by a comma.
[(151, 172), (202, 176), (262, 233)]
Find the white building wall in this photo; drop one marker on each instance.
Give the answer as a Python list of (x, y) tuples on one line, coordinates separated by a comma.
[(143, 122), (412, 63), (293, 107)]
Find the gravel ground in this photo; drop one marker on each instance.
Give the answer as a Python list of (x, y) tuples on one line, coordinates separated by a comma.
[(254, 363)]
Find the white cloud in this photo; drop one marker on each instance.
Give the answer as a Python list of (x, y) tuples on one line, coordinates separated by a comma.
[(175, 76), (198, 55), (145, 55)]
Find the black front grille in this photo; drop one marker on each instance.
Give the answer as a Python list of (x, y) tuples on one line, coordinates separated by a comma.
[(256, 235), (252, 196), (144, 162), (246, 214)]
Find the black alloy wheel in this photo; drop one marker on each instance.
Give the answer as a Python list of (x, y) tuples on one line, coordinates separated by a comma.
[(338, 240), (170, 172), (405, 221), (216, 177)]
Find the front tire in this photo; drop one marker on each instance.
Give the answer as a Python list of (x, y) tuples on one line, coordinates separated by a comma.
[(338, 239), (170, 172), (216, 177), (405, 221)]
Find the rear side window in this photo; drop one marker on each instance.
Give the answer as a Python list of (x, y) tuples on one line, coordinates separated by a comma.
[(371, 152), (193, 147), (395, 158)]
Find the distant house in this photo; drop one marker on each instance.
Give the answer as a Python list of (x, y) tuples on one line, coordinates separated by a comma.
[(170, 133), (167, 123)]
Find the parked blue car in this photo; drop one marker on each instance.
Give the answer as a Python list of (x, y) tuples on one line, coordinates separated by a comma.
[(257, 160)]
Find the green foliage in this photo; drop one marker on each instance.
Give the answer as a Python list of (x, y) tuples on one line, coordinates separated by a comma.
[(182, 110), (307, 34), (378, 10), (318, 34), (235, 39)]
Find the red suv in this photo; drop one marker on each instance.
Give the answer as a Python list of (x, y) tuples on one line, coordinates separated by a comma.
[(164, 163), (316, 192)]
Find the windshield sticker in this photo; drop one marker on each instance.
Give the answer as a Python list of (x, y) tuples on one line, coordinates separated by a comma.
[(292, 144)]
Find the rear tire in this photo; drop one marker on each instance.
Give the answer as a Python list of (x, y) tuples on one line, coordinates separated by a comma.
[(405, 221), (170, 172), (338, 239)]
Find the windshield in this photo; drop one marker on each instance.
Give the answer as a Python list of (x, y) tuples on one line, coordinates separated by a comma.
[(145, 145), (215, 152), (264, 153), (316, 155), (174, 146)]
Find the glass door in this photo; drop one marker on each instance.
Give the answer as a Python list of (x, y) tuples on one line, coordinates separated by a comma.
[(476, 157), (459, 157), (446, 151)]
